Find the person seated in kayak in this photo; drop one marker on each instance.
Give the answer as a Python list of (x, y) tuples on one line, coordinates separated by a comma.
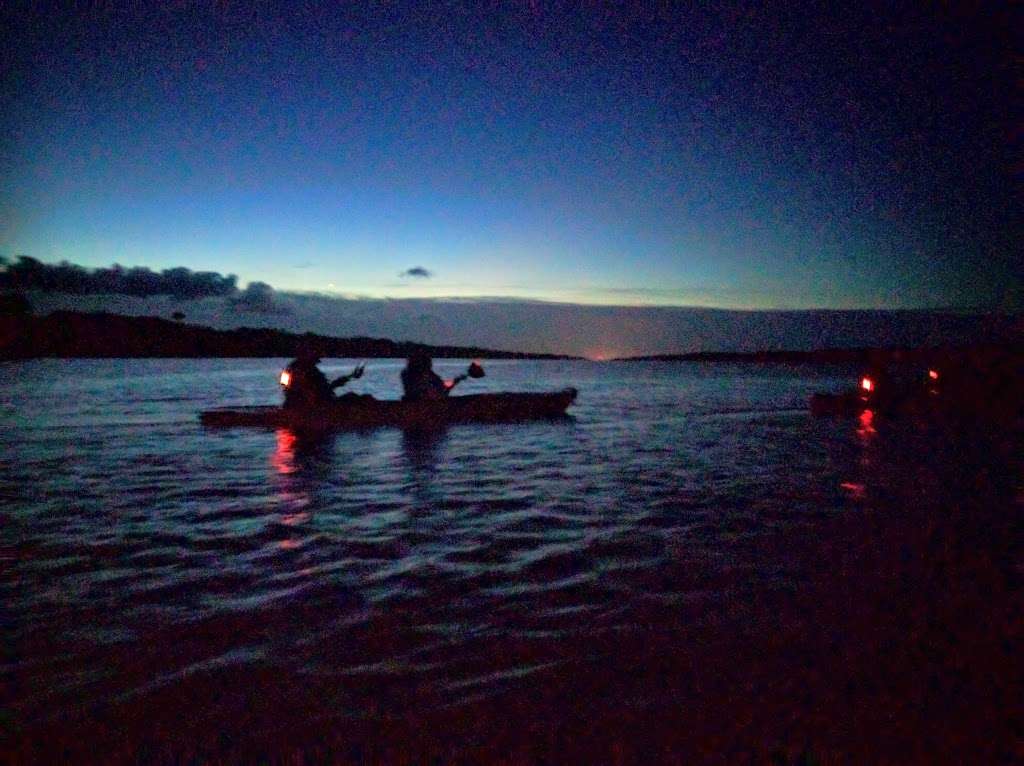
[(419, 381), (306, 386)]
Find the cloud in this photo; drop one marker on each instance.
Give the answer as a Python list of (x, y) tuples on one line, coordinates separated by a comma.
[(417, 271), (29, 274), (258, 298)]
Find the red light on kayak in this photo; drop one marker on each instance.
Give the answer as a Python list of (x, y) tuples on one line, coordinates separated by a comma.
[(449, 384), (867, 384), (286, 378), (933, 374)]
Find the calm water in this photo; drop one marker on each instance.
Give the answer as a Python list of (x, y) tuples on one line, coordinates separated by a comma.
[(382, 573)]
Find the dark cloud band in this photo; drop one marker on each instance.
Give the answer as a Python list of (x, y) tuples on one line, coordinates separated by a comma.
[(29, 274)]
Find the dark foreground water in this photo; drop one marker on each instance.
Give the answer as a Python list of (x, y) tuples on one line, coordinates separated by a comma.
[(689, 565)]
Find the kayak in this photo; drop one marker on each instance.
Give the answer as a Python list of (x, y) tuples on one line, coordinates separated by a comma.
[(367, 412), (847, 404)]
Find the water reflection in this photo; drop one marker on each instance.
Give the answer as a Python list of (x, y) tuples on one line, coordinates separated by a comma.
[(302, 465), (855, 489), (422, 448), (298, 452), (424, 451), (865, 427), (283, 457)]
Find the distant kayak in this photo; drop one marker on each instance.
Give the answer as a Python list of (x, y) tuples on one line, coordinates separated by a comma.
[(847, 404), (367, 412)]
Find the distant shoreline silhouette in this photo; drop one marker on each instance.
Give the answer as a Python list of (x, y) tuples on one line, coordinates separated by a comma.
[(104, 335), (73, 334)]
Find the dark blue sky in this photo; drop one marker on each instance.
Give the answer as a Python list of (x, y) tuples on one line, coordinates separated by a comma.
[(791, 156)]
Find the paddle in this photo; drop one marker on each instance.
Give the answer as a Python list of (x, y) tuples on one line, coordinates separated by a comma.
[(474, 371), (355, 374)]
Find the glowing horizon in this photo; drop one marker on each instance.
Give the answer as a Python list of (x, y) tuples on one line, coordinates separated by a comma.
[(630, 159), (437, 288)]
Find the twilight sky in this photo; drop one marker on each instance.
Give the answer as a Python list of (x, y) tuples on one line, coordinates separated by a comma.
[(788, 156)]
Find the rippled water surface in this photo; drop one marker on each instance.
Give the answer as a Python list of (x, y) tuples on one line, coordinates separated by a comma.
[(383, 572)]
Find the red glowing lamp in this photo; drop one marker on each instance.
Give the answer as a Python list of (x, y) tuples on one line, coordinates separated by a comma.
[(867, 384), (286, 378), (933, 374)]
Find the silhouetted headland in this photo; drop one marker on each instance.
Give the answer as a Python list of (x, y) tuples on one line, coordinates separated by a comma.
[(67, 334)]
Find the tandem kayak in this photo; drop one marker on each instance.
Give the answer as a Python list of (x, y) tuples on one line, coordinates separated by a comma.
[(367, 412)]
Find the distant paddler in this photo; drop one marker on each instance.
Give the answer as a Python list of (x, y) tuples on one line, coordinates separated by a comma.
[(305, 386)]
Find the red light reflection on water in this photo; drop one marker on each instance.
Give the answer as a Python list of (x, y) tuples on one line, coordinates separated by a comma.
[(283, 457), (866, 427), (856, 489), (283, 461), (865, 434)]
